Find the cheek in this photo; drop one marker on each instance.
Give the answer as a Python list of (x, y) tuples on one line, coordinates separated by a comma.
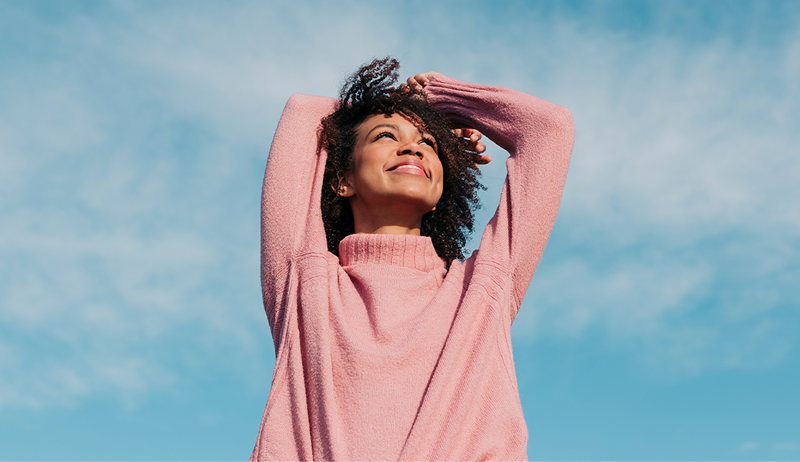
[(362, 161), (365, 168), (439, 171)]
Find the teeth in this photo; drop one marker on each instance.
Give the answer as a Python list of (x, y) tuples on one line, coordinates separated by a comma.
[(409, 167)]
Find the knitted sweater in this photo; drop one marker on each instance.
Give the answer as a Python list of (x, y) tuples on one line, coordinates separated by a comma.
[(382, 353)]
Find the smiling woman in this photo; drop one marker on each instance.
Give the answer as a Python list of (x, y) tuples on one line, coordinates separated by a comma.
[(396, 176), (368, 101), (389, 345)]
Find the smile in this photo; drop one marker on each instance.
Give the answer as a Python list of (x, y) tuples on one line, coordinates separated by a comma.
[(411, 169)]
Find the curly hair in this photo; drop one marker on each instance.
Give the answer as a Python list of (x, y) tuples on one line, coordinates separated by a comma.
[(368, 92)]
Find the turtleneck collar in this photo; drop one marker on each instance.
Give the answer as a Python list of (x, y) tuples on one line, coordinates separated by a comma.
[(415, 252)]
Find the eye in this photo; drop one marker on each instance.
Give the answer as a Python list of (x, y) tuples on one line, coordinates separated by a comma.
[(384, 135), (429, 141)]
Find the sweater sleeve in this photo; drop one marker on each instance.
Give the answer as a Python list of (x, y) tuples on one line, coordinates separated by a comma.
[(539, 136), (290, 210)]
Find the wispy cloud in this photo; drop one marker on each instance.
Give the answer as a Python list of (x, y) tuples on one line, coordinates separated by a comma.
[(748, 446), (786, 447), (679, 232), (133, 137), (779, 448)]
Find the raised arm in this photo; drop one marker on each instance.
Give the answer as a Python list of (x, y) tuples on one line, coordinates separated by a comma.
[(290, 196), (539, 136)]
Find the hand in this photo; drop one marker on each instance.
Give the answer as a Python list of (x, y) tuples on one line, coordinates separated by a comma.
[(474, 137), (420, 81)]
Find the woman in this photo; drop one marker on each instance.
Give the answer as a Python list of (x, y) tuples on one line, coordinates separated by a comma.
[(388, 345)]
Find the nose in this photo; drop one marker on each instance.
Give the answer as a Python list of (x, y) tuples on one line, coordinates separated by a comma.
[(411, 149)]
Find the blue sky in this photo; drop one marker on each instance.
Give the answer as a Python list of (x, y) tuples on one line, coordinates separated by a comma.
[(662, 322)]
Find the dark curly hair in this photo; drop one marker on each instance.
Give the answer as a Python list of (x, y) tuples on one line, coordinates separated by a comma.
[(368, 92)]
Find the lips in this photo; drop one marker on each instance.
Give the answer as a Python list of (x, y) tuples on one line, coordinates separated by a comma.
[(411, 167)]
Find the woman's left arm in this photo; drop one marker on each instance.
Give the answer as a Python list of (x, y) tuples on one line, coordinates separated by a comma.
[(539, 136)]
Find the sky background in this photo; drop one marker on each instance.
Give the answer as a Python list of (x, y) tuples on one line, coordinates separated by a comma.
[(663, 321)]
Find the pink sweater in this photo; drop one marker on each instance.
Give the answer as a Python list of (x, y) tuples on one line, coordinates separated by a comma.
[(382, 354)]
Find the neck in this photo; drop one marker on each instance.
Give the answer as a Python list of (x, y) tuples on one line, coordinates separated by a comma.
[(386, 221)]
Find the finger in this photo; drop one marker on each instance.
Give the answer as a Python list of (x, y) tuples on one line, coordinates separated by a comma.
[(482, 160), (477, 150), (463, 133), (416, 82), (470, 133), (422, 79)]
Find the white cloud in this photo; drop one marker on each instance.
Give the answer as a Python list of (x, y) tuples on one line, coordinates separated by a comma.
[(125, 221), (132, 152), (749, 446), (785, 447), (678, 231)]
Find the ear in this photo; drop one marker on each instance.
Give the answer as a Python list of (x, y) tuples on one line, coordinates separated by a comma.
[(344, 187)]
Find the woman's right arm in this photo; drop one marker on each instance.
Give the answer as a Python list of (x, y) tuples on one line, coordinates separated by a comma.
[(291, 195)]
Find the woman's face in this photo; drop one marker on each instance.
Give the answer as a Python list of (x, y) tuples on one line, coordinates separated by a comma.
[(396, 169)]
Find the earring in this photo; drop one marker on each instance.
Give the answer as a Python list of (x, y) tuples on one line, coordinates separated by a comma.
[(339, 188)]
